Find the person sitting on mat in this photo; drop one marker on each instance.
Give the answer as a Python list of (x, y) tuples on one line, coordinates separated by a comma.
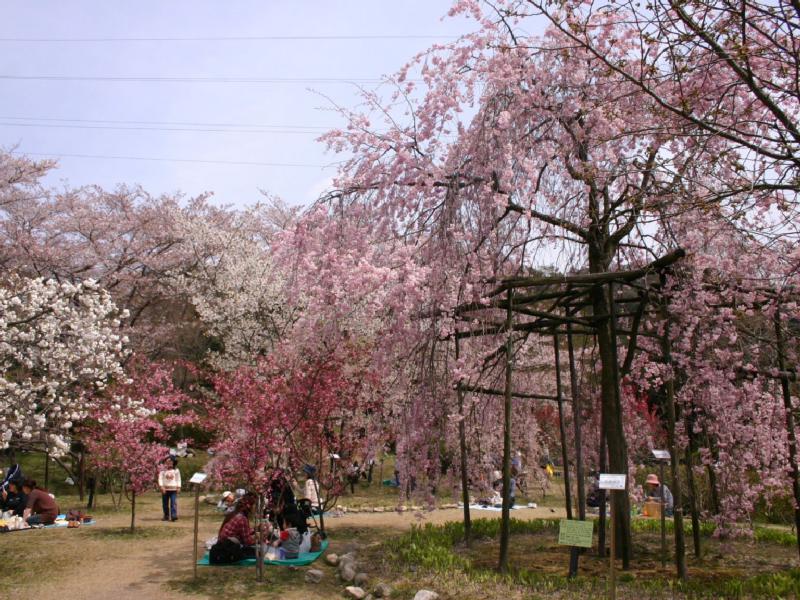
[(236, 527), (227, 503), (288, 542), (653, 491), (40, 507), (12, 498)]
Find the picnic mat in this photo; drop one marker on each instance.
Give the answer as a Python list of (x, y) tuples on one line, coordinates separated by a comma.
[(306, 558), (62, 525), (491, 508)]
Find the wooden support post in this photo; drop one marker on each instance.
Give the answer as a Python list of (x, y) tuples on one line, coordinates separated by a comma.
[(672, 443), (577, 423), (612, 556), (196, 526), (688, 459), (601, 527), (462, 443), (505, 526), (259, 545), (577, 419), (622, 513), (790, 424), (663, 515), (562, 430)]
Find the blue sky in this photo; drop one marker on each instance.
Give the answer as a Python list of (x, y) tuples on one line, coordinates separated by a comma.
[(146, 118)]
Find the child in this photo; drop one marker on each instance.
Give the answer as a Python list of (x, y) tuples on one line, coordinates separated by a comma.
[(288, 542)]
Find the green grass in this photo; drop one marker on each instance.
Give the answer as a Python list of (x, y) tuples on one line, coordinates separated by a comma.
[(436, 549)]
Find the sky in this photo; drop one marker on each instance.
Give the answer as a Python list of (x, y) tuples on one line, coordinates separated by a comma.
[(53, 104)]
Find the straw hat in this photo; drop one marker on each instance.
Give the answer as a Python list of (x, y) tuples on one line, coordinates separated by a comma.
[(227, 494), (652, 478)]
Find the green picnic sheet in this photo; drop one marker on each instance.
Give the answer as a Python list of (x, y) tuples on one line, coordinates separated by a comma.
[(306, 558)]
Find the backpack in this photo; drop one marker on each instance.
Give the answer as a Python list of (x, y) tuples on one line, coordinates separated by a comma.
[(225, 552)]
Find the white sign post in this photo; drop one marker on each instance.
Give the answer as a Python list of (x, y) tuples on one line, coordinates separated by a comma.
[(197, 479), (613, 482)]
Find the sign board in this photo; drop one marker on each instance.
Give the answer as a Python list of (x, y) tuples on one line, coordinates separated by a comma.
[(575, 533), (610, 481), (198, 478), (661, 454)]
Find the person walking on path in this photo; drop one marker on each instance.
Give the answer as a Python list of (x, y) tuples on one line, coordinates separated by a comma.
[(169, 480)]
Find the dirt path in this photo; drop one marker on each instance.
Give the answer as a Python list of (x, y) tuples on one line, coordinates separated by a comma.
[(110, 565)]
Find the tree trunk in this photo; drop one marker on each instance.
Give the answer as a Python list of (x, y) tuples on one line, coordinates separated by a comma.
[(505, 526), (712, 476), (47, 469), (462, 443), (81, 475), (612, 415), (133, 511)]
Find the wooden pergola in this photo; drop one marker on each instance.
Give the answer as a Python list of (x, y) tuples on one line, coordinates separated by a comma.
[(561, 307)]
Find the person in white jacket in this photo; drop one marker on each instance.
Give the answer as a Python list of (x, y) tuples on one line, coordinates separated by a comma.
[(169, 481)]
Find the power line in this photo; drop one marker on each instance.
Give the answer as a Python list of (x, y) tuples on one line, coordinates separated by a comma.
[(180, 79), (178, 123), (180, 160), (136, 128), (254, 38)]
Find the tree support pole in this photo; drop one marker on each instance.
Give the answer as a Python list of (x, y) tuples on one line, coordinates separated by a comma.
[(562, 429), (790, 425), (601, 528), (462, 443), (505, 528), (663, 516), (680, 543), (612, 557), (577, 422), (618, 451), (689, 459)]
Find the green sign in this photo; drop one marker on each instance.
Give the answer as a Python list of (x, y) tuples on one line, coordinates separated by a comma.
[(576, 533)]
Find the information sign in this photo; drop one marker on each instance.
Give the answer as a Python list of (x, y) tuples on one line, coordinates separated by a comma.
[(661, 454), (611, 481), (575, 533), (198, 478)]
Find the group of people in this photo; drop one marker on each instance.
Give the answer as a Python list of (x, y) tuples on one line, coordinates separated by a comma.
[(22, 497), (281, 526)]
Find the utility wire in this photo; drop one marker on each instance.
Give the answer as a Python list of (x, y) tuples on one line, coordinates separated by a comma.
[(142, 128), (254, 38), (181, 79), (180, 160), (178, 123)]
